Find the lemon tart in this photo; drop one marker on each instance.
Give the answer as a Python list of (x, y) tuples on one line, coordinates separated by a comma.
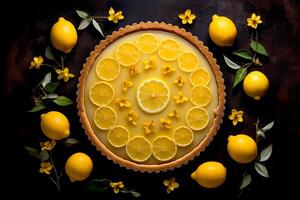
[(151, 97)]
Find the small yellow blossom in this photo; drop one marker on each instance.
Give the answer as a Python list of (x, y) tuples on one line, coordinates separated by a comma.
[(36, 62), (236, 116), (187, 17), (174, 113), (165, 123), (134, 70), (132, 116), (48, 145), (171, 184), (149, 64), (180, 98), (116, 186), (254, 20), (148, 126), (126, 85), (46, 167), (64, 74), (179, 81), (114, 16), (167, 69), (123, 102)]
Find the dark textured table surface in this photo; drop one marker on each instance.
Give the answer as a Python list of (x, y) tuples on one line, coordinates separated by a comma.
[(26, 29)]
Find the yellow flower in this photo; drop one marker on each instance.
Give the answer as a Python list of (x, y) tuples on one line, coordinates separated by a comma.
[(165, 123), (187, 17), (116, 186), (114, 17), (126, 85), (179, 81), (134, 70), (171, 184), (149, 64), (254, 20), (180, 98), (148, 126), (36, 62), (64, 74), (46, 167), (48, 145), (167, 69), (132, 117), (123, 102), (236, 116), (174, 113)]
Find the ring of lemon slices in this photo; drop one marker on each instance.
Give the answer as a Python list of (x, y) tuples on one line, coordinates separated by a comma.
[(150, 99)]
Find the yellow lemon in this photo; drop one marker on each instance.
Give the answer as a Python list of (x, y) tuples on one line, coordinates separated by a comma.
[(210, 174), (55, 125), (222, 31), (63, 35), (256, 84), (242, 148), (78, 167)]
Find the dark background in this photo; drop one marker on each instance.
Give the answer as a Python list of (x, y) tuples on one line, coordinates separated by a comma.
[(25, 34)]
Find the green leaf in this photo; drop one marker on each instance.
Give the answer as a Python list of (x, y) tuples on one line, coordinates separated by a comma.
[(84, 23), (71, 142), (268, 126), (62, 101), (266, 153), (260, 133), (97, 27), (258, 48), (52, 96), (51, 87), (97, 185), (261, 169), (44, 155), (239, 76), (135, 193), (32, 152), (49, 53), (82, 14), (246, 181), (37, 108), (243, 53), (231, 64), (46, 79)]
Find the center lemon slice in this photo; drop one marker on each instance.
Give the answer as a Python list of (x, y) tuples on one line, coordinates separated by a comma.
[(153, 95)]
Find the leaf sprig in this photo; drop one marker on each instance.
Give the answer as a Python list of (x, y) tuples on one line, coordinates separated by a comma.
[(88, 19)]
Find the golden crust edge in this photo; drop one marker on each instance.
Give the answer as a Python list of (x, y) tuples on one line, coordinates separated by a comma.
[(219, 111)]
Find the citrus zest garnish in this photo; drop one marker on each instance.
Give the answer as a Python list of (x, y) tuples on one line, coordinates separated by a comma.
[(105, 117), (180, 98), (123, 102), (164, 148), (118, 136), (132, 116), (148, 126), (179, 81), (126, 85), (165, 123), (139, 149), (101, 93), (167, 69)]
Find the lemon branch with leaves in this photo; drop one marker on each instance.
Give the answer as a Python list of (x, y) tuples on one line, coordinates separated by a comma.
[(252, 56), (87, 19)]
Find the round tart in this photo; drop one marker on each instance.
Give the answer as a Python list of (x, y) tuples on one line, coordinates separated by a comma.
[(151, 97)]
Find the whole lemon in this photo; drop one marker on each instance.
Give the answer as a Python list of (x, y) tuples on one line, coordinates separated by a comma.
[(242, 148), (63, 35), (210, 174), (222, 31), (78, 167), (256, 84), (55, 125)]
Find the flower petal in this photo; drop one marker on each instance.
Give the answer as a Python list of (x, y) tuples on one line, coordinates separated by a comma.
[(188, 12), (111, 11)]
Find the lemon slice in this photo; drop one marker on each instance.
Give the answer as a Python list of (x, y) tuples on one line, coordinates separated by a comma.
[(197, 118), (183, 136), (147, 43), (108, 69), (188, 62), (101, 93), (169, 50), (199, 76), (153, 95), (200, 95), (118, 136), (127, 54), (105, 117), (138, 149), (164, 148)]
